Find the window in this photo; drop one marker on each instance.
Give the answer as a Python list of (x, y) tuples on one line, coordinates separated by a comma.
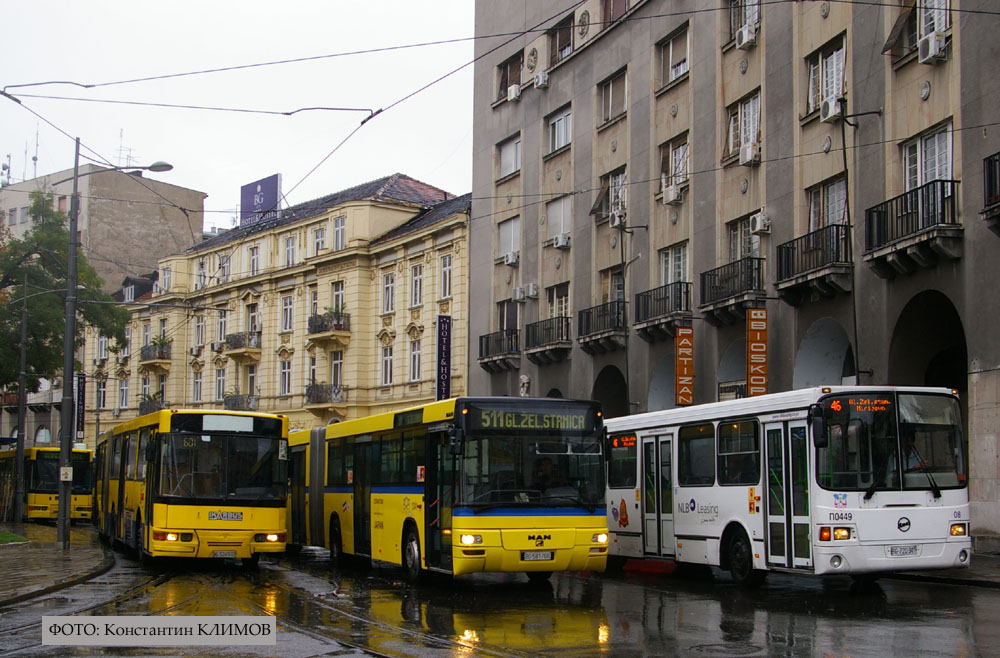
[(319, 240), (128, 294), (220, 326), (416, 285), (122, 393), (673, 53), (12, 216), (674, 161), (223, 267), (612, 285), (614, 9), (285, 377), (145, 387), (928, 158), (509, 232), (827, 204), (126, 347), (289, 251), (339, 233), (510, 156), (696, 456), (310, 369), (196, 386), (674, 264), (286, 313), (165, 279), (24, 214), (739, 453), (744, 124), (509, 74), (826, 74), (614, 97), (202, 275), (446, 276), (388, 292), (386, 378), (100, 397), (63, 203), (507, 314), (251, 378), (146, 329), (558, 216), (102, 347), (613, 194), (253, 319), (742, 243), (933, 16), (557, 298), (560, 129), (313, 300), (161, 386), (220, 383), (337, 295), (561, 40), (336, 367), (742, 12), (199, 330), (253, 258), (163, 328), (414, 360)]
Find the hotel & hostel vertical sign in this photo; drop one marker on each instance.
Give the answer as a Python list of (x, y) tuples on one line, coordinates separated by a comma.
[(756, 351), (442, 371)]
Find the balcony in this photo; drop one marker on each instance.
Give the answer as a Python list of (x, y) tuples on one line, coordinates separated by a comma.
[(330, 330), (658, 312), (548, 341), (322, 400), (500, 351), (602, 328), (913, 230), (244, 346), (818, 263), (728, 291), (991, 192), (241, 402), (155, 357), (149, 406)]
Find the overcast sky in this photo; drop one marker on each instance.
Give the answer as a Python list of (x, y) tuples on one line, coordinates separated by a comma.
[(428, 137)]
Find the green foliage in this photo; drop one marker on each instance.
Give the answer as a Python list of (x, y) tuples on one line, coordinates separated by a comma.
[(41, 257)]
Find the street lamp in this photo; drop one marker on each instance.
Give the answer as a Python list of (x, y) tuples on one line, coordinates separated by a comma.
[(68, 426)]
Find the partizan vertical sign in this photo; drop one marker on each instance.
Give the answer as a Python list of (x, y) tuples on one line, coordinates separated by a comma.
[(756, 351), (443, 364), (684, 366)]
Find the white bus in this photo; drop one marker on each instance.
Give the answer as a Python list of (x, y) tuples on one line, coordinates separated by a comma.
[(806, 481)]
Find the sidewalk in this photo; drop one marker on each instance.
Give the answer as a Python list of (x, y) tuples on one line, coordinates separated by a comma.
[(39, 566)]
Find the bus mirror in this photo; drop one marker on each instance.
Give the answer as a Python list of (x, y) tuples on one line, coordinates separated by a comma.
[(818, 422), (455, 438)]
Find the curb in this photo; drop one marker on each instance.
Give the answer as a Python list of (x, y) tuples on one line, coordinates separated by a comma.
[(109, 561)]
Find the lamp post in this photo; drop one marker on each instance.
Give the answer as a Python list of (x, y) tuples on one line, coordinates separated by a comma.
[(67, 428)]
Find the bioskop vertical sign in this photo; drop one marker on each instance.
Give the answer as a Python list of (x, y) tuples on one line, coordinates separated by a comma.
[(442, 370), (259, 200)]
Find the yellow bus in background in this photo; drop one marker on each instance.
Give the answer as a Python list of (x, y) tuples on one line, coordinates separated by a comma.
[(459, 486), (41, 482), (194, 483)]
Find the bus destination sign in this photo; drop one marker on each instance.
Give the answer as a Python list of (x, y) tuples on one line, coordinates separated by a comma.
[(507, 418), (861, 404)]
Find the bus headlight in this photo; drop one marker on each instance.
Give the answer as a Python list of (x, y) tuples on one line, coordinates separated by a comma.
[(269, 537), (958, 530), (469, 540), (600, 538), (841, 533)]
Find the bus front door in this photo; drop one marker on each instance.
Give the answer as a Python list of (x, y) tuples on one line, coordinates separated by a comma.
[(788, 525), (657, 496), (365, 460), (439, 500)]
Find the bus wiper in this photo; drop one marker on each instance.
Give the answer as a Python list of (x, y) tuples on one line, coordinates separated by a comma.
[(926, 470), (874, 485)]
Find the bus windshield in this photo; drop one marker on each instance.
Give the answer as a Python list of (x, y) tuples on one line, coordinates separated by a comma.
[(44, 475), (890, 442), (221, 467), (83, 470)]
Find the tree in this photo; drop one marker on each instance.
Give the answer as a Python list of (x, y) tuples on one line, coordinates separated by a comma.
[(41, 256)]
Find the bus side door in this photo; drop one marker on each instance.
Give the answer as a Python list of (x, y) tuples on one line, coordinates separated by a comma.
[(440, 486), (365, 462), (788, 523), (657, 496), (297, 478)]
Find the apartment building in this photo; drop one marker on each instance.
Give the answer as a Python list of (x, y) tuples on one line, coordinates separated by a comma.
[(680, 202), (329, 311)]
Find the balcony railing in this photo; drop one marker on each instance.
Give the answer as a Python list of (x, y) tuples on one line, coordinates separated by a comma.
[(830, 245), (929, 205), (324, 394), (663, 301), (243, 340), (154, 352), (241, 402), (610, 316), (547, 332), (736, 278), (149, 406), (499, 343), (329, 321), (991, 181)]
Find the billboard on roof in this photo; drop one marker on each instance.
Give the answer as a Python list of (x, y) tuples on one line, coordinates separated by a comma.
[(260, 200)]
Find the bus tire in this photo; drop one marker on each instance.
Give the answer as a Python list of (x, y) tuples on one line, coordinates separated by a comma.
[(336, 544), (251, 562), (411, 554), (739, 557)]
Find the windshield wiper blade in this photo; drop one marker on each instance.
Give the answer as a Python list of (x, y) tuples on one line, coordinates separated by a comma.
[(926, 470), (874, 485)]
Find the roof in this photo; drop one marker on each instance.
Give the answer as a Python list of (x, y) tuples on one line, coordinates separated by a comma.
[(398, 188), (429, 217)]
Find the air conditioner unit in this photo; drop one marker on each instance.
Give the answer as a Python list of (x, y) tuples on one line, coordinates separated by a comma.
[(121, 359), (99, 362), (749, 154), (930, 48), (561, 241), (195, 351), (217, 345), (541, 79), (672, 195), (760, 224), (830, 111), (615, 218), (531, 290), (510, 258), (116, 412), (513, 93), (518, 294), (746, 37)]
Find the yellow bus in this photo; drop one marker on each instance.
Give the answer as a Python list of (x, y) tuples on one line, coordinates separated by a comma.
[(459, 486), (194, 483), (41, 482)]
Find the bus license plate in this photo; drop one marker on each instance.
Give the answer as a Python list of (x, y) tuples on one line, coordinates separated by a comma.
[(223, 553), (530, 556), (902, 551)]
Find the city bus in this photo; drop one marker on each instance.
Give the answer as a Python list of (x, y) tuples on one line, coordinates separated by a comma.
[(458, 486), (194, 483), (832, 480), (41, 482)]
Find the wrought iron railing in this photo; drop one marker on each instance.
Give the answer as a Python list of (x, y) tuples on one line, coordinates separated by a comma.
[(499, 343), (659, 302), (736, 278), (547, 332), (830, 245), (154, 352), (329, 321), (324, 393), (241, 402), (932, 204), (991, 180), (244, 339), (149, 406), (598, 319)]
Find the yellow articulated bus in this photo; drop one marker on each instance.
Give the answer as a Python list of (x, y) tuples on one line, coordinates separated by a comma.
[(194, 483), (459, 486), (41, 482)]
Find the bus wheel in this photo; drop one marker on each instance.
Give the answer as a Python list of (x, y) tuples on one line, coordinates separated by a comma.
[(250, 562), (138, 537), (741, 561), (411, 555), (539, 577), (336, 545)]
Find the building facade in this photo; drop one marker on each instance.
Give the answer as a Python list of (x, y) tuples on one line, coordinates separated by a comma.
[(680, 202), (327, 312)]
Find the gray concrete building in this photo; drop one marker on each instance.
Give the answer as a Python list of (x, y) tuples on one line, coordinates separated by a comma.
[(664, 191)]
